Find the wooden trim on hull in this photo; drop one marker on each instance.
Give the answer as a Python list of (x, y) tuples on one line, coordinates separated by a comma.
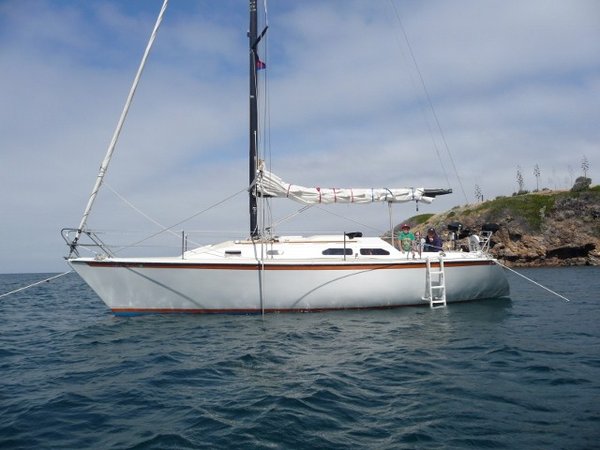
[(283, 266)]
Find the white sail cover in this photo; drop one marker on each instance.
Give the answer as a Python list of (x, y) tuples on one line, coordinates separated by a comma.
[(270, 185)]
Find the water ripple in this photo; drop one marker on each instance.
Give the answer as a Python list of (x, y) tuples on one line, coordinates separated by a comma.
[(498, 374)]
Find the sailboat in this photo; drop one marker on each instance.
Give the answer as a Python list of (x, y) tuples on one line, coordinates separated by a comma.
[(263, 272)]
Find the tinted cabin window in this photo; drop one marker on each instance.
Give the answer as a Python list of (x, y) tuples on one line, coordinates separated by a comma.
[(337, 251), (373, 251)]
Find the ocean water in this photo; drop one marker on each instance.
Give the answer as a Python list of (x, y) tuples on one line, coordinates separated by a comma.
[(513, 373)]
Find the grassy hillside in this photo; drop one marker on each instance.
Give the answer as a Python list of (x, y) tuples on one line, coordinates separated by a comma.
[(528, 211)]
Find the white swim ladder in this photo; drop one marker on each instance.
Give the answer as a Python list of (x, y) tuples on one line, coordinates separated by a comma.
[(435, 290)]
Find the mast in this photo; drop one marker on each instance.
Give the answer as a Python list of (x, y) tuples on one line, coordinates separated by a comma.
[(253, 42)]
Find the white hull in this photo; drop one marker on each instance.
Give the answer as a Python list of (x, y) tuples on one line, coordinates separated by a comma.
[(272, 273), (242, 285)]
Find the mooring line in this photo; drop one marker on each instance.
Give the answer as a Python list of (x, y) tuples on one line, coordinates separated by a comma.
[(532, 281), (35, 284)]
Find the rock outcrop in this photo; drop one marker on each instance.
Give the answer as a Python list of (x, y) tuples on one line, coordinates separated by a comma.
[(547, 228)]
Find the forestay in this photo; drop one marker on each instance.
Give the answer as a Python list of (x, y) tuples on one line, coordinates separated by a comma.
[(270, 185)]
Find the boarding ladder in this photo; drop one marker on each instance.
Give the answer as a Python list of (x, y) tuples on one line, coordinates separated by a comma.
[(435, 284)]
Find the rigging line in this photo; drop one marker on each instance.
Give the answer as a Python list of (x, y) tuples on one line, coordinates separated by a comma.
[(245, 189), (266, 125), (269, 214), (264, 203), (261, 269), (290, 216), (429, 101), (120, 123), (349, 219), (423, 110), (532, 281), (139, 211), (35, 284), (260, 87), (266, 13), (146, 216)]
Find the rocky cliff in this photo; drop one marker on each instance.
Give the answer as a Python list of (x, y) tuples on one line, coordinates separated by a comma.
[(546, 228)]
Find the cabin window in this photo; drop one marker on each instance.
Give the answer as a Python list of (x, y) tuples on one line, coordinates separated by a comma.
[(337, 251), (274, 252), (373, 251), (233, 253)]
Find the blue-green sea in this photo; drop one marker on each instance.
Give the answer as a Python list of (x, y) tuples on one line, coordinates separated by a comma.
[(518, 373)]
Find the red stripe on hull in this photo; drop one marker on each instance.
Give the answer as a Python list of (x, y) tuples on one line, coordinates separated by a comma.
[(255, 266)]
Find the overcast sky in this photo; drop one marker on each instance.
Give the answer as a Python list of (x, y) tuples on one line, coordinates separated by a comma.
[(513, 84)]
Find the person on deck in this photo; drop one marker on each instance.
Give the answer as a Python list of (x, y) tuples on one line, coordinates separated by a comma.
[(406, 238), (418, 244), (433, 243)]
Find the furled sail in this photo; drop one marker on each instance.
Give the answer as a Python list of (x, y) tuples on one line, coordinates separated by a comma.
[(270, 185)]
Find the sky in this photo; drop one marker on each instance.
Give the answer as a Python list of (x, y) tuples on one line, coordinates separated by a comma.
[(508, 85)]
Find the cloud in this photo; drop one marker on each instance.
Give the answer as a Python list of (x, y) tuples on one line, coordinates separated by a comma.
[(513, 84)]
